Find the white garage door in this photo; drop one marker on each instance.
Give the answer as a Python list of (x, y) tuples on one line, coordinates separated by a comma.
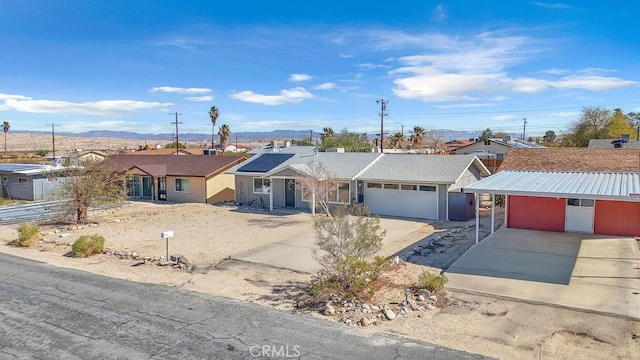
[(406, 200)]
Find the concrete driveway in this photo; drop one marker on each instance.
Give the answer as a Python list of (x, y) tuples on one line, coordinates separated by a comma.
[(296, 253), (591, 272)]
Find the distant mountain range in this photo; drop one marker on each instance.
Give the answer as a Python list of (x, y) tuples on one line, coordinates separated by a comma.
[(241, 136)]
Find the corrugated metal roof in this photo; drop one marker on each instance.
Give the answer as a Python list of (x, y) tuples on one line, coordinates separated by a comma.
[(596, 185)]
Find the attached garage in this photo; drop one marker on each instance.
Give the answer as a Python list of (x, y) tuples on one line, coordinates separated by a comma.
[(406, 200)]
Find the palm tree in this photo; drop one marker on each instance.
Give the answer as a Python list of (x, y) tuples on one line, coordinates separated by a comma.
[(327, 132), (224, 133), (5, 128), (214, 113), (417, 135), (396, 140)]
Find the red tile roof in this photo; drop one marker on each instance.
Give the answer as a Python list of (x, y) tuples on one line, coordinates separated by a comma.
[(572, 159), (204, 166)]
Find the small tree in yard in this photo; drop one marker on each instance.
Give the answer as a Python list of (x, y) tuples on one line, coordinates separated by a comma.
[(317, 185), (86, 185), (348, 242)]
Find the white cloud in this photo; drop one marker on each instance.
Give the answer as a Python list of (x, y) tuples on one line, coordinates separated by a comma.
[(453, 106), (286, 96), (504, 118), (370, 66), (551, 5), (199, 98), (594, 83), (563, 114), (500, 98), (555, 71), (13, 97), (526, 85), (299, 77), (325, 86), (103, 107), (179, 90), (439, 13), (346, 56), (79, 126), (182, 43), (429, 84), (285, 124)]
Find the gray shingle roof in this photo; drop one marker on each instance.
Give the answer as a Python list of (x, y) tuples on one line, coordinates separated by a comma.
[(609, 144), (340, 165), (445, 169)]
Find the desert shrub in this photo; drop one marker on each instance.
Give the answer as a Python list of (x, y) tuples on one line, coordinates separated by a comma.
[(3, 202), (432, 282), (347, 240), (87, 245), (27, 234)]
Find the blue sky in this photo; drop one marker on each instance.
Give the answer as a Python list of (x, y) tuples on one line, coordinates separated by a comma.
[(460, 65)]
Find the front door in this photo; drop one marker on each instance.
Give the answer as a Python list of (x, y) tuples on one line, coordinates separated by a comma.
[(579, 215), (290, 193), (162, 188), (147, 185)]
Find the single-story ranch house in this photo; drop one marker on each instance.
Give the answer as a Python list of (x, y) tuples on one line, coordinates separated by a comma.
[(594, 191), (176, 178), (418, 186)]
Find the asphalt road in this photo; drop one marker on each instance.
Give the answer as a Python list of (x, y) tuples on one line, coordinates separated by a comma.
[(57, 313)]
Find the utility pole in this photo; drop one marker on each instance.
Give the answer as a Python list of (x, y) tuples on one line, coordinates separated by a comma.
[(311, 136), (53, 139), (524, 129), (383, 113), (176, 124), (402, 129)]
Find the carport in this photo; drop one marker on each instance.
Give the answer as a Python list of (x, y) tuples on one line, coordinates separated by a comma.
[(585, 271), (585, 202)]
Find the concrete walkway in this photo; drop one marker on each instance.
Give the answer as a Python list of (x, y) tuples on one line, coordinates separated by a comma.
[(296, 253), (591, 272)]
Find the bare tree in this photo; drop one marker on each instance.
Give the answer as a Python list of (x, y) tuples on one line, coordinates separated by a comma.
[(317, 185), (435, 139), (87, 185)]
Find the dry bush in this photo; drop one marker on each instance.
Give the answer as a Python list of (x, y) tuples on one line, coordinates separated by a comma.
[(27, 235), (87, 245)]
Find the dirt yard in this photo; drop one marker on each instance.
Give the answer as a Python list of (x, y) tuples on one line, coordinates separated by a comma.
[(209, 235)]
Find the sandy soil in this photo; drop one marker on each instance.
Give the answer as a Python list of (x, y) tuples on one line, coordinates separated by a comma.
[(208, 235)]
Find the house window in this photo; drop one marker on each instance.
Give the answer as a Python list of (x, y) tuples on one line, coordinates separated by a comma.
[(4, 179), (427, 188), (374, 186), (23, 182), (487, 142), (392, 186), (182, 185), (342, 195), (261, 186), (408, 187), (580, 202), (500, 156)]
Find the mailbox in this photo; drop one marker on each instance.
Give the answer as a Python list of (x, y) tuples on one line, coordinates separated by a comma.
[(166, 234)]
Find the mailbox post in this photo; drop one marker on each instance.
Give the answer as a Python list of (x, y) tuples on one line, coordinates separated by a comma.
[(166, 235)]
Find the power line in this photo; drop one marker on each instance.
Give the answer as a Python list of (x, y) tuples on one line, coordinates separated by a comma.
[(176, 124), (53, 139)]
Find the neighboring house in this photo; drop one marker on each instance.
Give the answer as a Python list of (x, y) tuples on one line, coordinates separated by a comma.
[(614, 144), (499, 147), (30, 181), (281, 147), (595, 191), (453, 145), (167, 151), (92, 155), (176, 178), (418, 186)]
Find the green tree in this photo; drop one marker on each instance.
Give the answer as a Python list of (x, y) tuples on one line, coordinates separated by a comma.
[(5, 128), (635, 120), (485, 134), (347, 243), (549, 136), (85, 186), (351, 142), (224, 133), (327, 132), (172, 145), (214, 113), (395, 141), (592, 124), (417, 135), (619, 124), (500, 135)]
